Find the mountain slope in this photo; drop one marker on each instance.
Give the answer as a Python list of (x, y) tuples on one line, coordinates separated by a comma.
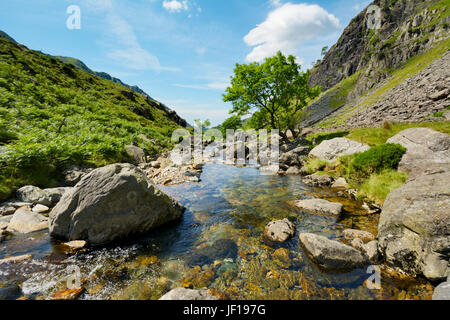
[(53, 115), (363, 59)]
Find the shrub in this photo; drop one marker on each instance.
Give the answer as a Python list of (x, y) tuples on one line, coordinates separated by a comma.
[(376, 159)]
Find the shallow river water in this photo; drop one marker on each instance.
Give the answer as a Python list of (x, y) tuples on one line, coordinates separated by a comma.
[(217, 244)]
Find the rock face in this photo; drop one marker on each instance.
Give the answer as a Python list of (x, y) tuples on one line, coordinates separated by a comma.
[(414, 226), (26, 221), (321, 206), (331, 150), (188, 294), (280, 230), (110, 203), (330, 254), (425, 148)]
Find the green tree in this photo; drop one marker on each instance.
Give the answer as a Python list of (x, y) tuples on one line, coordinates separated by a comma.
[(233, 122), (324, 50), (275, 90), (204, 125)]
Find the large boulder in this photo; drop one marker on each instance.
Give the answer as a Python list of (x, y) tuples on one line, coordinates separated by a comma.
[(425, 148), (414, 227), (26, 221), (320, 206), (331, 254), (331, 150), (111, 203)]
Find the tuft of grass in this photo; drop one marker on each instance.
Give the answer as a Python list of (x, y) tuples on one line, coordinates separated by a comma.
[(314, 165), (320, 137), (377, 136), (379, 185)]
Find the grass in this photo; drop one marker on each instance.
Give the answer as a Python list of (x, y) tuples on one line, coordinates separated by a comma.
[(315, 165), (53, 115), (317, 138), (378, 186), (377, 136)]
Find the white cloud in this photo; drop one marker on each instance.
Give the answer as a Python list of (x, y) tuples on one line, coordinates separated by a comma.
[(287, 27), (176, 6), (275, 3)]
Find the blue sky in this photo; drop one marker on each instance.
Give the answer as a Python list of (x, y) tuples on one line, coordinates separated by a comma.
[(181, 52)]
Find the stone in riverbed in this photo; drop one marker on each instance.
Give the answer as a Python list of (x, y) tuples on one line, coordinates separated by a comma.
[(330, 254), (76, 244), (68, 294), (112, 203), (293, 171), (371, 250), (316, 180), (26, 221), (30, 194), (40, 208), (280, 230), (363, 235), (189, 294), (340, 183), (7, 211), (331, 150), (320, 206), (16, 259)]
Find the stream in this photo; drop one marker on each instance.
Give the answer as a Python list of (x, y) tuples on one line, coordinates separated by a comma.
[(218, 244)]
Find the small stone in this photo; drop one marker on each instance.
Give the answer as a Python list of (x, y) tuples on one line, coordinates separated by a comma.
[(293, 171), (155, 164), (371, 250), (280, 230), (363, 235), (16, 259), (321, 206), (318, 180), (340, 183), (76, 245), (358, 244), (68, 294), (26, 221), (7, 211), (39, 208)]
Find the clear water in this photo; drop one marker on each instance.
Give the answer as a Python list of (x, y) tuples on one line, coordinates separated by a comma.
[(217, 244)]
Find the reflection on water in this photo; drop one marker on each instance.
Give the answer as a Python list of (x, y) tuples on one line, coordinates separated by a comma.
[(217, 244)]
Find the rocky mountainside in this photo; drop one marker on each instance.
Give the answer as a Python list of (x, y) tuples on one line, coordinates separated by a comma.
[(364, 58)]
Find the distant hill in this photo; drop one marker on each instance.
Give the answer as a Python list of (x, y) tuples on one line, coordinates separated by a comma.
[(6, 36), (53, 115), (80, 65)]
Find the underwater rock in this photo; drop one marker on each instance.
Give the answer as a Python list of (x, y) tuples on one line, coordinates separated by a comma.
[(219, 250), (68, 294), (280, 230), (320, 206), (330, 254)]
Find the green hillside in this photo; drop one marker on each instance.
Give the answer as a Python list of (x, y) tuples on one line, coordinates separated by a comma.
[(53, 115)]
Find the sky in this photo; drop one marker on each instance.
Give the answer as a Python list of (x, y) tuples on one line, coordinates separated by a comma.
[(181, 52)]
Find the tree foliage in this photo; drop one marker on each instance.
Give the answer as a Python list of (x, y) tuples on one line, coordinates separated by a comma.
[(275, 91)]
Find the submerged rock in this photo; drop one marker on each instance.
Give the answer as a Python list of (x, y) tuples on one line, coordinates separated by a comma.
[(111, 203), (330, 254), (16, 259), (26, 221), (189, 295), (414, 226), (331, 150), (321, 206), (220, 249), (68, 294), (280, 230)]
